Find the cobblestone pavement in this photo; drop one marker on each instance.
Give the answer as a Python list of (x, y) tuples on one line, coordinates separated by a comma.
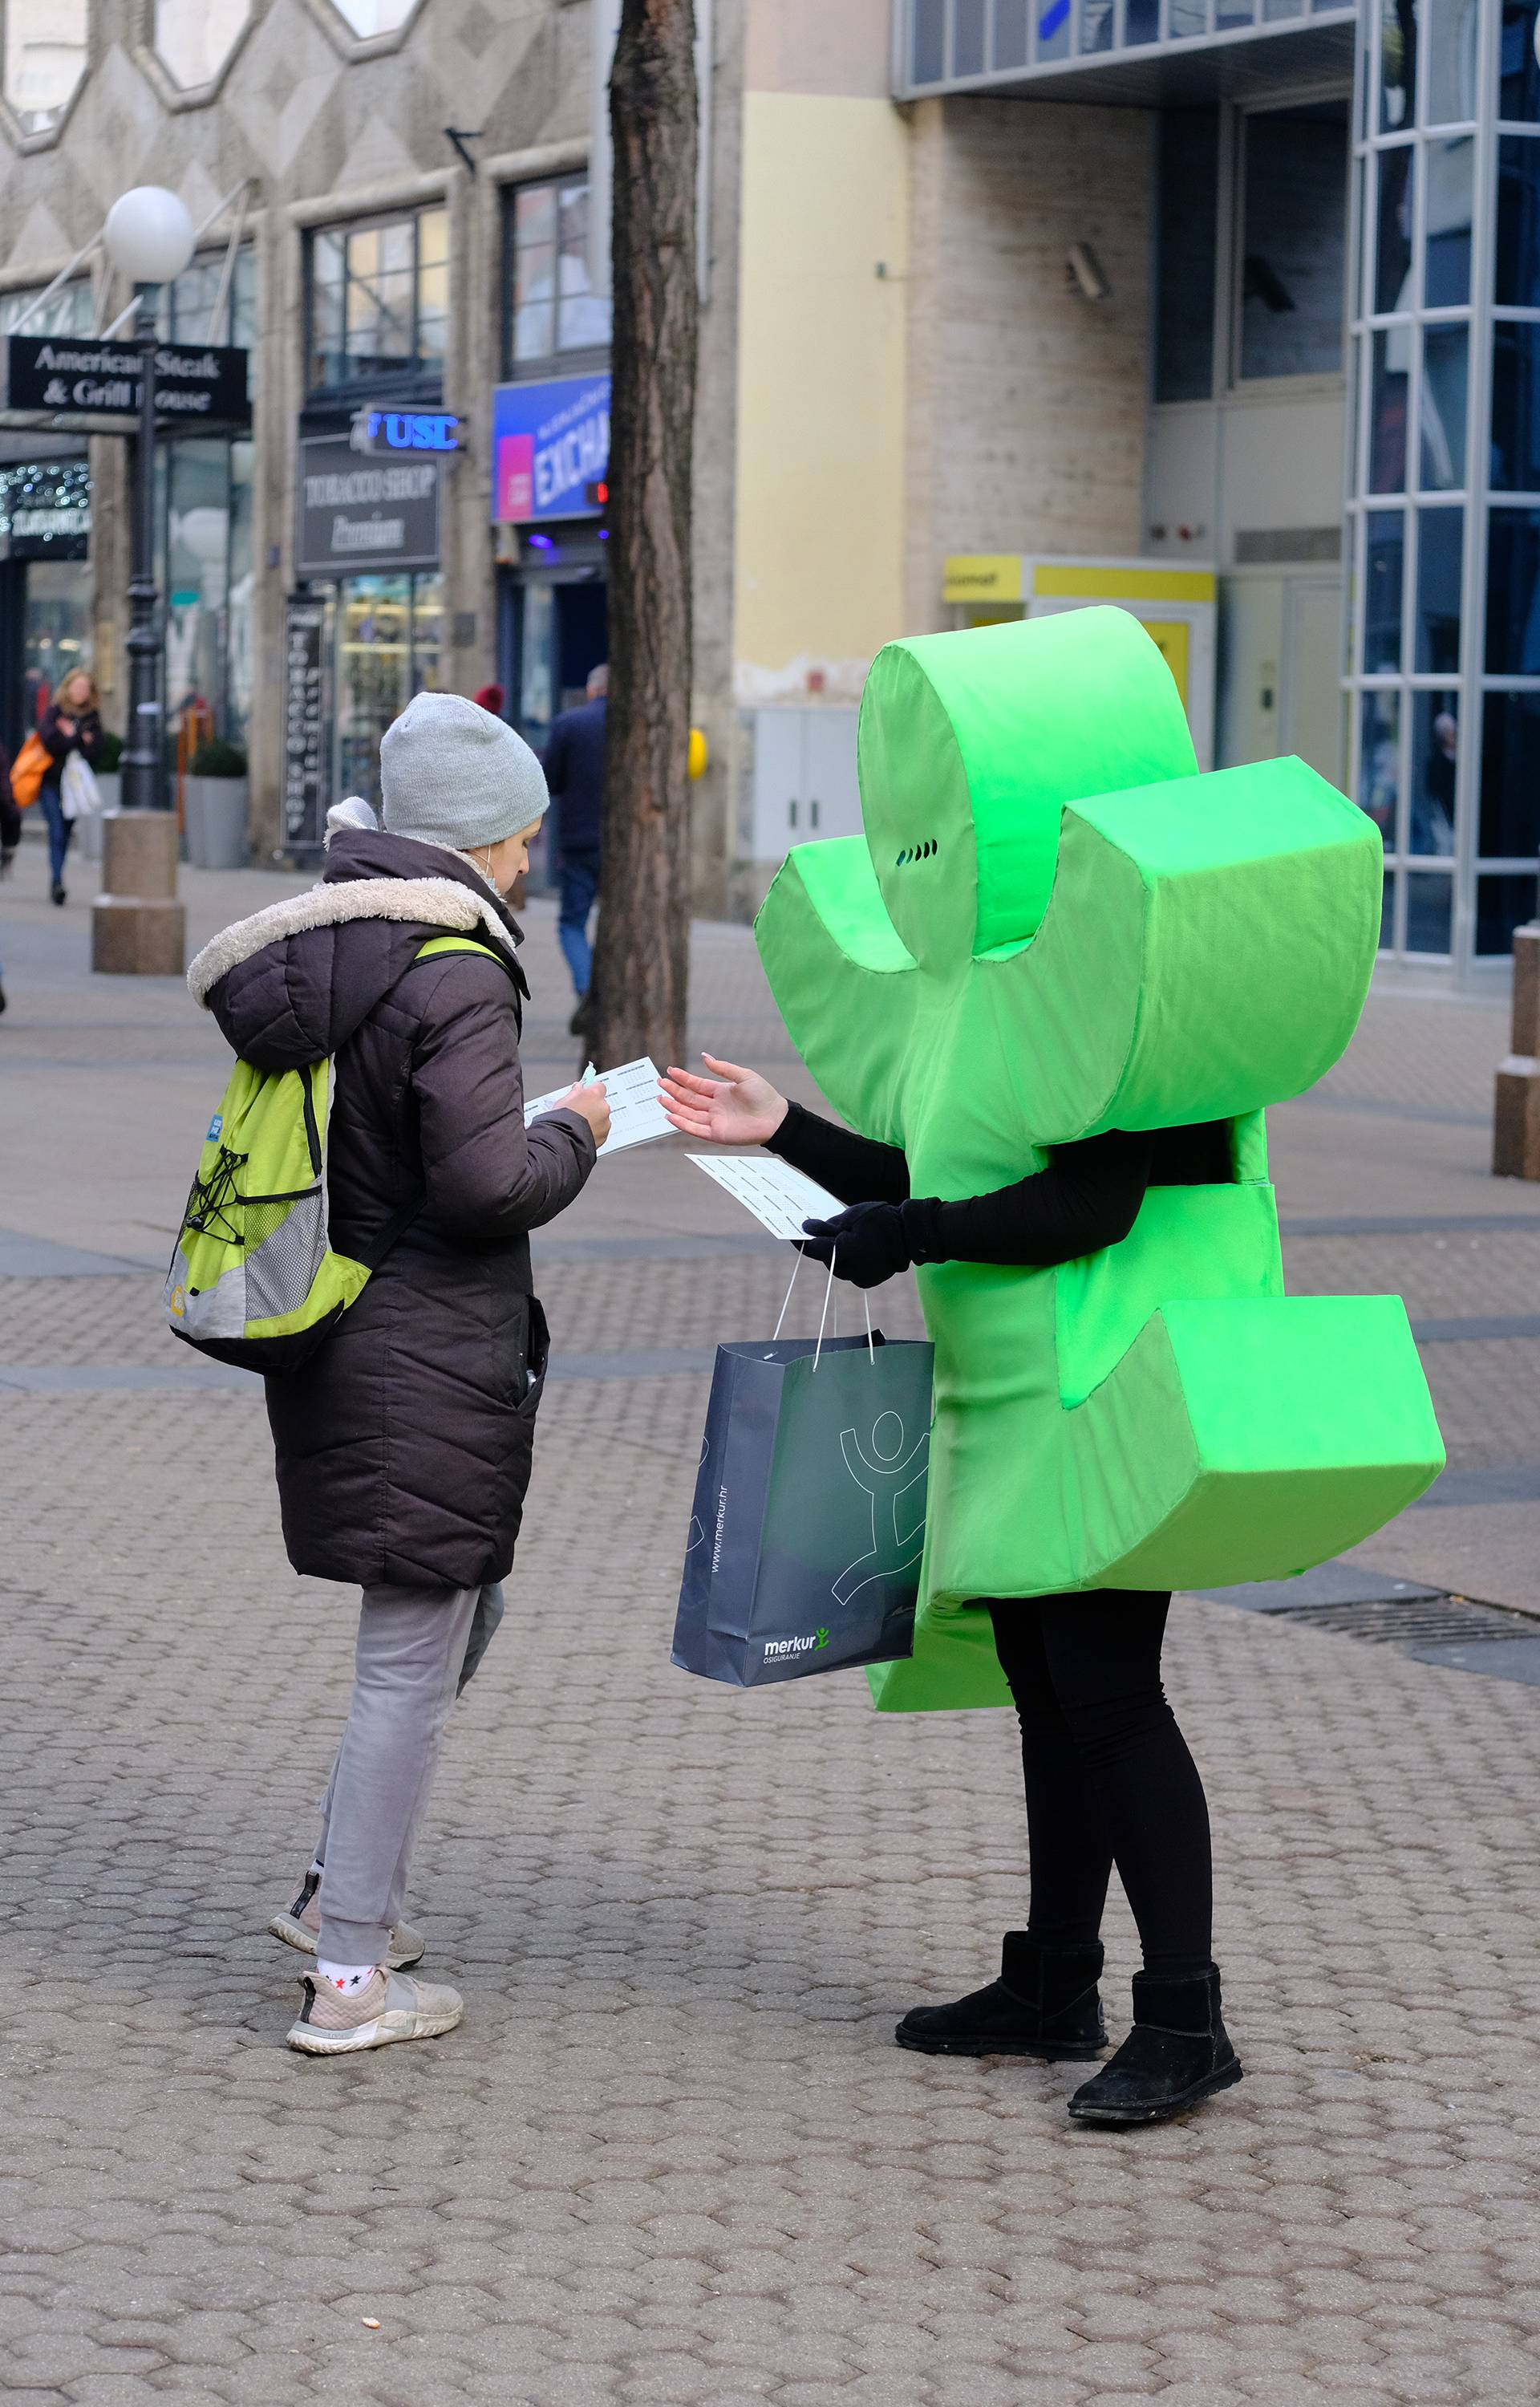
[(671, 2155)]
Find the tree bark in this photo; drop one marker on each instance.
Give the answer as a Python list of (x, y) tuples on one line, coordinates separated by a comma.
[(642, 963)]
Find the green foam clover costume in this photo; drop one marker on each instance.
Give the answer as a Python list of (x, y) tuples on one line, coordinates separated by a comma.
[(1056, 926)]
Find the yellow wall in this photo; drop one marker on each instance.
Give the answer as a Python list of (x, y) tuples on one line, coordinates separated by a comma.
[(821, 374)]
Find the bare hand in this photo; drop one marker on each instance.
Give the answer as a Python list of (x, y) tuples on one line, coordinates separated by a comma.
[(66, 726), (590, 1103), (734, 1106)]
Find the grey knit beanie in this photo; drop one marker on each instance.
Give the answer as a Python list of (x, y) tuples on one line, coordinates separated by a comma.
[(451, 774)]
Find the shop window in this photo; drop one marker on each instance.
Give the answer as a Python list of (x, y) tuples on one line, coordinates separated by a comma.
[(1440, 544), (45, 58), (389, 646), (1510, 776), (549, 311), (1379, 762), (1501, 904), (1390, 357), (1384, 561), (379, 300), (1293, 244), (1519, 221), (1188, 196), (1430, 911), (1516, 408), (1513, 593), (193, 39), (1435, 753), (1393, 284), (1445, 376), (1519, 71), (205, 569), (1448, 166)]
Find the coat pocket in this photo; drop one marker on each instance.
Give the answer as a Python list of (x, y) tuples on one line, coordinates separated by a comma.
[(537, 1357)]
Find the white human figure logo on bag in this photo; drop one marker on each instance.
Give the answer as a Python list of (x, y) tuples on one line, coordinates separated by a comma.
[(887, 1482)]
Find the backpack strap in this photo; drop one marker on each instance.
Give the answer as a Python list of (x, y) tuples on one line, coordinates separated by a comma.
[(437, 945)]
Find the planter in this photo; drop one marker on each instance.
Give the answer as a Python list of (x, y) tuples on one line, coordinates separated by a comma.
[(88, 831), (214, 811)]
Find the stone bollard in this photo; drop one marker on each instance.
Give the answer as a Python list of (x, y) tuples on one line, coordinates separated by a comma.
[(137, 925), (1516, 1115)]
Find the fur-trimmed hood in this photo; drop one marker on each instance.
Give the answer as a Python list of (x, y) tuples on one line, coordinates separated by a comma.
[(293, 982)]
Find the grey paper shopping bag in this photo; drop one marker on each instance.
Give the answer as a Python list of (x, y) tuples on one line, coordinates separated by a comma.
[(804, 1546)]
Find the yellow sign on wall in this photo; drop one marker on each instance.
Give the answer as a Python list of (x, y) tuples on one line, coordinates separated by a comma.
[(983, 576)]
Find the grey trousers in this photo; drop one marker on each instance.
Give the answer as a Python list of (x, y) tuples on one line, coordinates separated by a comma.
[(416, 1650)]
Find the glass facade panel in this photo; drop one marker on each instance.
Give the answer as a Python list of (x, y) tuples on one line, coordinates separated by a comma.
[(1142, 21), (1052, 28), (1229, 14), (1389, 360), (1513, 593), (1435, 738), (1446, 351), (1387, 914), (1430, 911), (1519, 221), (967, 38), (1188, 17), (1294, 241), (1188, 188), (1440, 545), (1397, 64), (1450, 56), (1384, 565), (1393, 277), (1516, 408), (1011, 32), (1379, 761), (1095, 26), (1448, 167), (1518, 92), (1501, 904), (378, 299), (1510, 776), (549, 308), (928, 65)]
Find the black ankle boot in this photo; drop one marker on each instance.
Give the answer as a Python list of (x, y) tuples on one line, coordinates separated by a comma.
[(1177, 2052), (1044, 2003)]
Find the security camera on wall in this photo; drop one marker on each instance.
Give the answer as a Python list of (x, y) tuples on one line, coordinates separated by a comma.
[(1084, 274)]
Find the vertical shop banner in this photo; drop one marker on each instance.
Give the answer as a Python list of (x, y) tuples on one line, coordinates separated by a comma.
[(305, 796), (550, 448)]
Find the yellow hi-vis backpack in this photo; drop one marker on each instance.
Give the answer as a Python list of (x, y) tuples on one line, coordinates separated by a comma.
[(254, 1280)]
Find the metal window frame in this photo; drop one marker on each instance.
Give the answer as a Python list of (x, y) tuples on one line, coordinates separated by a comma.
[(554, 361), (1208, 35), (343, 231)]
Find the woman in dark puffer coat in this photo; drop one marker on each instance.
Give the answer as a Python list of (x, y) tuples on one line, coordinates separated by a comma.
[(405, 1444)]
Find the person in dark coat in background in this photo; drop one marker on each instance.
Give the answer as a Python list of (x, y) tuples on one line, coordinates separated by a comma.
[(574, 772), (10, 836), (404, 1444), (71, 724)]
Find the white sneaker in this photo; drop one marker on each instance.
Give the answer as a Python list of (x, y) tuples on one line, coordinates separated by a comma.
[(301, 1928), (391, 2006)]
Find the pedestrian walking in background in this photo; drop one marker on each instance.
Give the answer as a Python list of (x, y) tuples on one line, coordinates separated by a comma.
[(404, 1442), (1109, 1775), (574, 772), (71, 724), (10, 836)]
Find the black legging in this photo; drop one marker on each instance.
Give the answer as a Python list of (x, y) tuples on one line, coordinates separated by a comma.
[(1109, 1775)]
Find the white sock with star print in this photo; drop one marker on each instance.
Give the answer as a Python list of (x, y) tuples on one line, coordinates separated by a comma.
[(347, 1978)]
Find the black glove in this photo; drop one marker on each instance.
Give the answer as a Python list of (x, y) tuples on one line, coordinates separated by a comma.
[(867, 1244)]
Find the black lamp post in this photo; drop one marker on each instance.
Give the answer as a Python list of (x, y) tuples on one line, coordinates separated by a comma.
[(149, 238)]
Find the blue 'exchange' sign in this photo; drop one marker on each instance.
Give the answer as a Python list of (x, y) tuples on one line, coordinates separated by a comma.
[(550, 449)]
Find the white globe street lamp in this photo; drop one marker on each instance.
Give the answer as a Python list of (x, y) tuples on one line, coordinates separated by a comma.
[(149, 238)]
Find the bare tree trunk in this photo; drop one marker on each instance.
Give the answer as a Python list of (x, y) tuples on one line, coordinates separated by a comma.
[(642, 966)]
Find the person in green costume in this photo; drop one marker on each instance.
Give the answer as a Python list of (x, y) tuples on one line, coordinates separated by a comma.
[(1053, 988)]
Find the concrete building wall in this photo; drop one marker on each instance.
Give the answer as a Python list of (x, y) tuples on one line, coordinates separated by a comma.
[(1027, 404)]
